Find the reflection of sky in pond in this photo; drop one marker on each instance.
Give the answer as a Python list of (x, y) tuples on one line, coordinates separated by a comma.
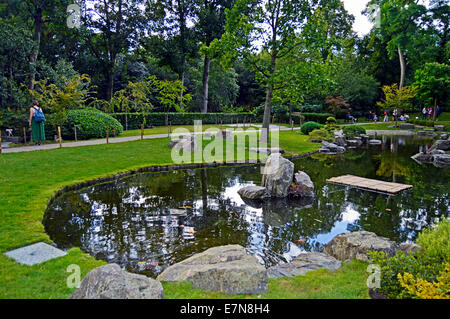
[(149, 221)]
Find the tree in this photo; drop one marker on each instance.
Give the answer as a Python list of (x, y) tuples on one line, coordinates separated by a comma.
[(336, 103), (433, 83), (169, 96), (116, 25), (273, 24), (400, 22), (210, 27), (396, 98)]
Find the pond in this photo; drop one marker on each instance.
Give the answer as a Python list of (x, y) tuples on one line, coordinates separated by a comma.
[(148, 221)]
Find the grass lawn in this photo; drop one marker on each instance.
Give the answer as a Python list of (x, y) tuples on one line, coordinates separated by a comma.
[(28, 180)]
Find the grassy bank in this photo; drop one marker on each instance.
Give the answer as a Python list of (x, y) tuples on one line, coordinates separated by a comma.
[(28, 181)]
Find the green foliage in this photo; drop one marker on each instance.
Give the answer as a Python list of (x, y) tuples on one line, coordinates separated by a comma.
[(331, 120), (353, 130), (418, 264), (322, 134), (308, 127), (317, 117), (433, 82), (158, 119), (436, 240), (396, 98), (307, 108), (90, 123)]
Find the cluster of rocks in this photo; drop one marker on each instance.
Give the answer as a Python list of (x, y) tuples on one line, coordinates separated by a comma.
[(436, 154), (230, 269), (279, 181), (341, 143)]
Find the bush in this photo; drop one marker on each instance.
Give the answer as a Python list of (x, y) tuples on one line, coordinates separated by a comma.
[(91, 123), (416, 275), (312, 108), (331, 120), (353, 130), (308, 127), (436, 241), (322, 134)]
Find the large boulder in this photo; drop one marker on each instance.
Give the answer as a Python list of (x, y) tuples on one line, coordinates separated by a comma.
[(439, 127), (277, 175), (330, 148), (443, 145), (375, 142), (441, 160), (356, 244), (227, 269), (339, 138), (304, 263), (111, 282), (303, 186), (422, 158), (254, 192)]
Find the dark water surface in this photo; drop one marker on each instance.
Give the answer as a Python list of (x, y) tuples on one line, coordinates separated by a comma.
[(148, 221)]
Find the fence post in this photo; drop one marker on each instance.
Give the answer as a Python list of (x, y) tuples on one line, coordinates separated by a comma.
[(59, 136), (76, 137), (107, 135), (24, 136), (0, 141), (142, 131)]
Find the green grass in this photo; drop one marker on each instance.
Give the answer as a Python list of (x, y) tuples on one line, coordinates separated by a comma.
[(348, 282), (29, 179)]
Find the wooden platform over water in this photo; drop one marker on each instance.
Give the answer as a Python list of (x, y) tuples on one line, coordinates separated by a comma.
[(369, 184)]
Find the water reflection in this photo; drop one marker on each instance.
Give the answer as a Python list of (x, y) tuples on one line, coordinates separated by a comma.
[(146, 222)]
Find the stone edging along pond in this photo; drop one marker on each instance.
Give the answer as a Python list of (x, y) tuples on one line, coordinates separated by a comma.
[(156, 168)]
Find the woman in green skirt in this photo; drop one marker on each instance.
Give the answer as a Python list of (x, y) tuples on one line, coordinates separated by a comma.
[(36, 123)]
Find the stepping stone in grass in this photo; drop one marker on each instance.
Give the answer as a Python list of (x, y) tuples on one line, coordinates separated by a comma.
[(35, 254)]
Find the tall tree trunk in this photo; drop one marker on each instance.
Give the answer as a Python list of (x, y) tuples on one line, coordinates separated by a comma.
[(109, 84), (182, 83), (434, 110), (38, 22), (264, 138), (402, 68), (206, 66)]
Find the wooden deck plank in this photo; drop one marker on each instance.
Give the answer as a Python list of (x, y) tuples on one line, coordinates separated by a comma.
[(369, 184)]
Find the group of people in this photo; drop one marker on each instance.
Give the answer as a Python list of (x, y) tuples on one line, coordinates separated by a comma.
[(428, 113)]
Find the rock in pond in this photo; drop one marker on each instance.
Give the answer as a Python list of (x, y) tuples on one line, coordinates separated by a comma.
[(406, 126), (339, 138), (443, 145), (304, 263), (356, 244), (374, 142), (254, 192), (441, 160), (330, 148), (267, 151), (111, 282), (277, 175), (422, 158), (439, 127), (302, 187), (227, 269)]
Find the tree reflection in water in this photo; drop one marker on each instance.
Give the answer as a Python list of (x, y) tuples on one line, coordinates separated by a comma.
[(148, 221)]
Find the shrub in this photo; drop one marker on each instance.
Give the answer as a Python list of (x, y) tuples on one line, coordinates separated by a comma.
[(436, 241), (422, 289), (331, 120), (312, 108), (91, 123), (322, 134), (308, 127), (353, 130), (419, 274)]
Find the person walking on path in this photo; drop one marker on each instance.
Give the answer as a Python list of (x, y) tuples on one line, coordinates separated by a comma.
[(424, 113), (386, 116), (36, 123), (438, 112)]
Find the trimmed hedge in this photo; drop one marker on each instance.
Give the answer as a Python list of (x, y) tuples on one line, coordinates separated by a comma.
[(308, 127), (316, 117), (91, 123), (158, 119)]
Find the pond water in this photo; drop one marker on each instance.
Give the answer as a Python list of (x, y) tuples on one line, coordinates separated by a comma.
[(146, 222)]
